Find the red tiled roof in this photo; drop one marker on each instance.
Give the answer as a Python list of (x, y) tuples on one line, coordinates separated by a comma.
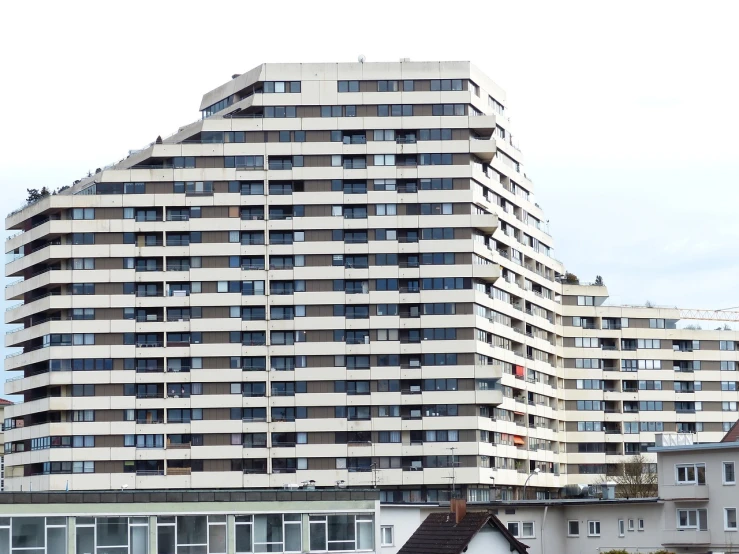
[(4, 402), (440, 534), (733, 434)]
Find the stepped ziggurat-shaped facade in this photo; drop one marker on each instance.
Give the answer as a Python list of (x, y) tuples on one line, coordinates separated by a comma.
[(340, 275)]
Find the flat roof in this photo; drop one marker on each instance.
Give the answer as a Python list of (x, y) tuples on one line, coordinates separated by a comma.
[(471, 506), (699, 446), (140, 496)]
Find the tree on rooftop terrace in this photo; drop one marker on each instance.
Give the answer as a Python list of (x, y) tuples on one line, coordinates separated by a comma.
[(34, 195)]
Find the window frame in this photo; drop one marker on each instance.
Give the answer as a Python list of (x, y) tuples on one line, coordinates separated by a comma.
[(569, 527), (726, 520), (695, 481), (697, 525), (383, 528), (723, 473), (592, 523)]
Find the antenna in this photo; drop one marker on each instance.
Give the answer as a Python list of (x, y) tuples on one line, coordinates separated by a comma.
[(453, 477), (362, 58)]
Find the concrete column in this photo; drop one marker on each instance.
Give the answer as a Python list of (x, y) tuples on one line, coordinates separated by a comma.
[(71, 535), (306, 532), (152, 534), (230, 534)]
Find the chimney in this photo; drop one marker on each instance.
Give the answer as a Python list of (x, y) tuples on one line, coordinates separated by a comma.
[(458, 507)]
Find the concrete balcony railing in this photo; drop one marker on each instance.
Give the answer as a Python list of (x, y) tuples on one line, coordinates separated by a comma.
[(692, 537), (490, 272), (483, 123), (484, 222), (483, 148), (684, 493)]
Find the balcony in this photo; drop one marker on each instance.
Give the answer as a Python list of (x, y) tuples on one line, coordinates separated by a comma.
[(483, 148), (490, 272), (684, 493), (483, 124), (687, 537), (485, 222), (149, 344)]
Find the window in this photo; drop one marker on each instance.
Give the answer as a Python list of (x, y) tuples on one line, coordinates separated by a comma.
[(384, 159), (648, 343), (386, 209), (729, 475), (621, 528), (83, 238), (342, 532), (593, 528), (191, 534), (387, 535), (280, 111), (726, 345), (514, 528), (641, 524), (281, 86), (692, 519), (396, 110), (446, 84), (448, 109), (348, 86), (435, 159), (435, 134), (631, 524), (573, 528), (730, 519), (83, 213), (690, 474)]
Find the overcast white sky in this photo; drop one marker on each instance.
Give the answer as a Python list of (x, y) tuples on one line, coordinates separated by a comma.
[(626, 112)]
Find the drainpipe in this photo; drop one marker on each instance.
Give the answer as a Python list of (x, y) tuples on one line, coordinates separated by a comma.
[(543, 524)]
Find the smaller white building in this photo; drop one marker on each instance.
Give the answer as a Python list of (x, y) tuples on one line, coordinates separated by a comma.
[(697, 483), (695, 511), (574, 526), (458, 531)]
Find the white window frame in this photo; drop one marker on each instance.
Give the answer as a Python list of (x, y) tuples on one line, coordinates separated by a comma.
[(569, 533), (723, 473), (533, 530), (631, 524), (592, 524), (383, 530), (697, 518), (621, 528), (695, 467), (640, 524), (726, 520), (517, 533)]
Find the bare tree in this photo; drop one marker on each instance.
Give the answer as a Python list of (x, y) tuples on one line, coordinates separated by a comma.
[(634, 478)]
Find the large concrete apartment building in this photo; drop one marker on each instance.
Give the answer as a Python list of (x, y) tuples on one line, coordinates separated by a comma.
[(339, 274)]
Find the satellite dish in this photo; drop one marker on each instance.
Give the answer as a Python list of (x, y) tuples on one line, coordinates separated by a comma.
[(362, 58)]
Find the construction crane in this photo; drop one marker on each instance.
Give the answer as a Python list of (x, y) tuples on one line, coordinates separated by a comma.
[(710, 315)]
